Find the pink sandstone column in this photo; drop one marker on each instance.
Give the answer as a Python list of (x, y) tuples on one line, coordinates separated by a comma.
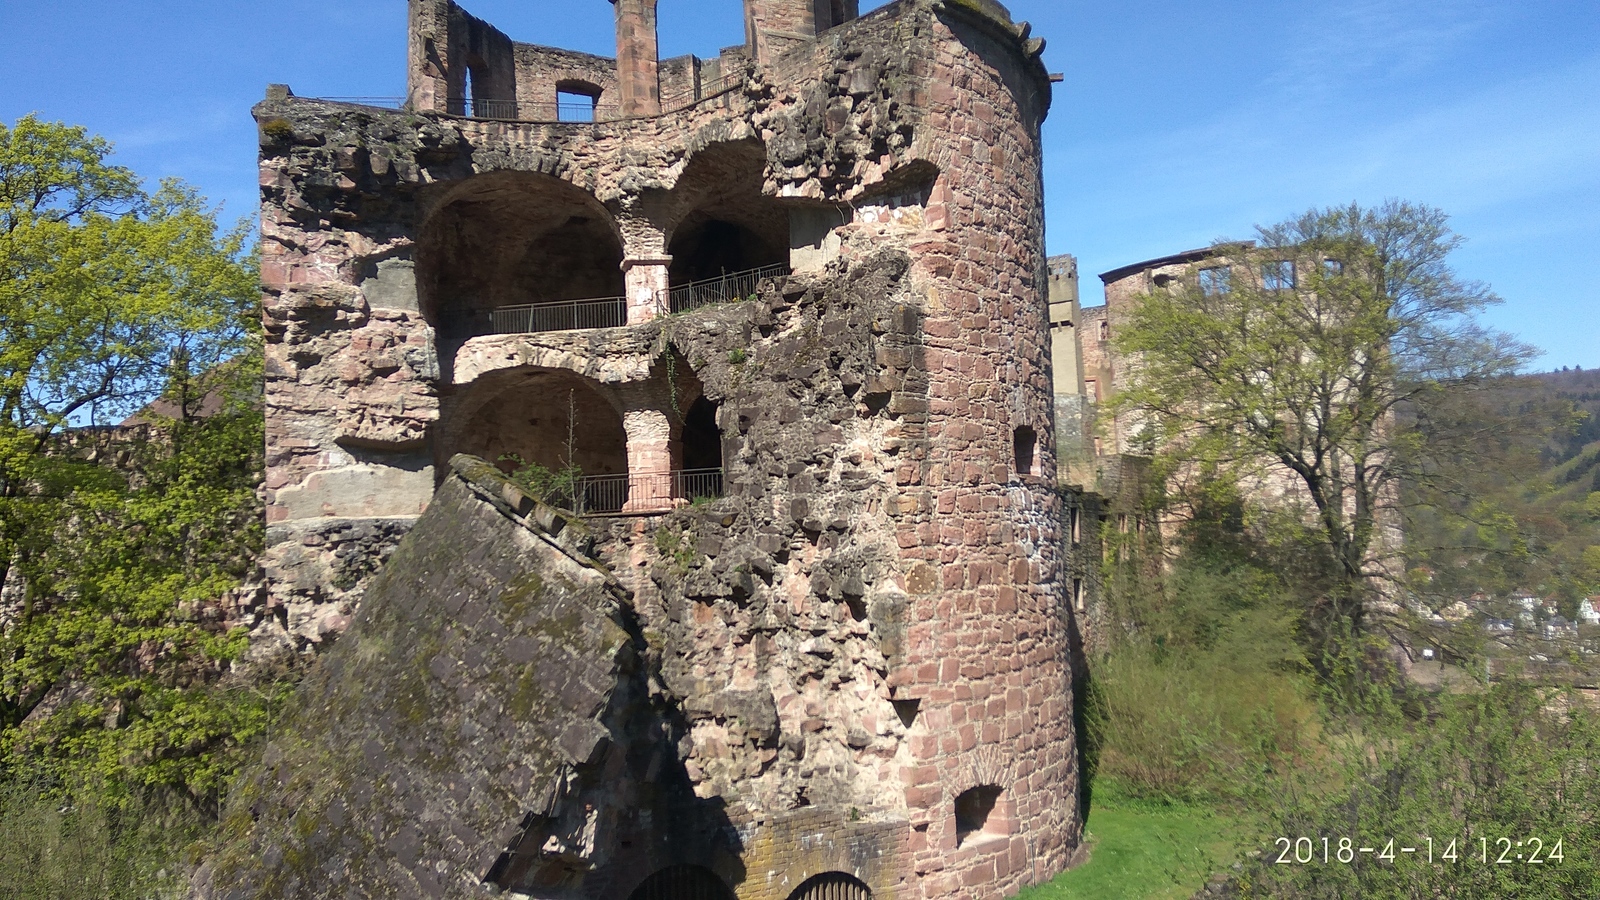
[(428, 55), (652, 436), (644, 277), (637, 80)]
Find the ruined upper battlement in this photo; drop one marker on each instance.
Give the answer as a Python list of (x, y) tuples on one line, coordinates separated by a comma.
[(459, 64)]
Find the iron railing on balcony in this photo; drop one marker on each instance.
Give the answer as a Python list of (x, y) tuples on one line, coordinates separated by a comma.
[(689, 96), (564, 315), (548, 111), (383, 102), (532, 111), (729, 288), (603, 494)]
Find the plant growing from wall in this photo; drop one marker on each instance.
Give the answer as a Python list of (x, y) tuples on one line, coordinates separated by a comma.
[(676, 547), (558, 487)]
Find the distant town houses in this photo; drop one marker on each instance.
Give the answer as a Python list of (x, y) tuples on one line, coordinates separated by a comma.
[(1587, 614), (1523, 611)]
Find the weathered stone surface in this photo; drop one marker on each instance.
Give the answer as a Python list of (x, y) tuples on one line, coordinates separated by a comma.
[(872, 620), (484, 665)]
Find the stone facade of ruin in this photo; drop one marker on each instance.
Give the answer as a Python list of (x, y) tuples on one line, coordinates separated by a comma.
[(1270, 482), (857, 646)]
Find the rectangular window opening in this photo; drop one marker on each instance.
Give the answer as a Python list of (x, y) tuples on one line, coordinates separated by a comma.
[(1215, 280), (1024, 441), (574, 107), (1278, 275)]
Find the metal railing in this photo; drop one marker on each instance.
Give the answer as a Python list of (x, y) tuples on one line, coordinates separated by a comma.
[(705, 90), (602, 494), (729, 288), (382, 102), (546, 111), (531, 111), (564, 315)]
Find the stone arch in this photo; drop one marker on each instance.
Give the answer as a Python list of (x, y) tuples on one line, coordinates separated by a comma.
[(832, 886), (551, 417), (682, 882), (975, 812), (510, 238), (579, 86), (701, 438), (717, 218)]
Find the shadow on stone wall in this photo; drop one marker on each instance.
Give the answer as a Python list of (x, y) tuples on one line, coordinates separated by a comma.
[(489, 717)]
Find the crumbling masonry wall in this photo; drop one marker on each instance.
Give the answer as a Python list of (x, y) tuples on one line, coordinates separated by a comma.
[(872, 622)]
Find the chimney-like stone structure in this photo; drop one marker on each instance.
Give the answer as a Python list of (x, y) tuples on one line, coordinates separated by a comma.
[(772, 26), (638, 82), (428, 50)]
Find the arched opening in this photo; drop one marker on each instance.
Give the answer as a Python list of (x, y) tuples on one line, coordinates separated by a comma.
[(974, 812), (526, 245), (722, 223), (577, 101), (699, 452), (466, 92), (707, 245), (702, 439), (682, 883), (832, 886), (547, 417)]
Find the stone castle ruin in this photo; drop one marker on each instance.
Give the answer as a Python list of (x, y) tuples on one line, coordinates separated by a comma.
[(800, 628)]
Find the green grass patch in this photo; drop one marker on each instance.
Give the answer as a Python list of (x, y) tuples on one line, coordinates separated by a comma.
[(1141, 849)]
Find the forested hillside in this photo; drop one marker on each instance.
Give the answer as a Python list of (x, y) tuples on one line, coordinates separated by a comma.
[(1530, 522), (1574, 458)]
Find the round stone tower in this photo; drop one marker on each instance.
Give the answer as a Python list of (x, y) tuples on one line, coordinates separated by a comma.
[(779, 319)]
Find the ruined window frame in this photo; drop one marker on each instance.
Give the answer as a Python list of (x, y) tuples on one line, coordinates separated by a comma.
[(1278, 275), (1215, 281)]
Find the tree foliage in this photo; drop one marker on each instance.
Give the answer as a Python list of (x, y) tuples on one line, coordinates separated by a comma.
[(112, 539), (1494, 779), (1312, 384)]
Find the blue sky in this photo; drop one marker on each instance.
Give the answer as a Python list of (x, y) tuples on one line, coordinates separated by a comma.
[(1177, 123)]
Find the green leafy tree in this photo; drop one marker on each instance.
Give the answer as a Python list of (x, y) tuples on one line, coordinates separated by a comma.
[(1312, 365), (112, 539)]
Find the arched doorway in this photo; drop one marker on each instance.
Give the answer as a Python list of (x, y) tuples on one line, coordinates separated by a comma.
[(702, 439), (510, 240), (720, 222), (552, 418), (682, 883), (832, 886)]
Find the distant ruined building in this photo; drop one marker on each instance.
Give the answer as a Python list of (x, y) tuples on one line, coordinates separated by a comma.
[(804, 628), (1101, 453)]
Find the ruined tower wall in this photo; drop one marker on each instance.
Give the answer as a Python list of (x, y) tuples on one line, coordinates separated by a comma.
[(987, 647), (447, 47), (774, 27), (867, 635), (542, 71)]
